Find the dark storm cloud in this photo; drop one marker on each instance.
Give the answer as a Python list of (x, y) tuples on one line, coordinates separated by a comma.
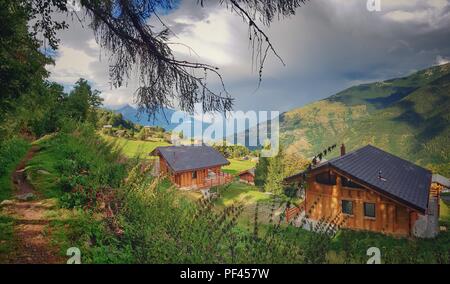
[(329, 46)]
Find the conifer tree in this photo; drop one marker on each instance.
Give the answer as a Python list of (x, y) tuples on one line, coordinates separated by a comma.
[(275, 174)]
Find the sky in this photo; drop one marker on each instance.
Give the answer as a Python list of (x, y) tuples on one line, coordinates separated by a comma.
[(328, 46)]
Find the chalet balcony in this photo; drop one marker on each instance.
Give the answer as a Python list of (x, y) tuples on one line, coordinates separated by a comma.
[(215, 180)]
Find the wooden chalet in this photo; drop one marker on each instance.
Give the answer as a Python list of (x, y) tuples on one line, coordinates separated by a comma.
[(370, 189), (192, 167), (247, 176)]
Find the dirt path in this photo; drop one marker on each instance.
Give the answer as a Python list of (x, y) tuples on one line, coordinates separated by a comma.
[(29, 210)]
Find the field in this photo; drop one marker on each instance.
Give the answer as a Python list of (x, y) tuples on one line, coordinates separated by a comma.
[(249, 196), (242, 193), (134, 148), (237, 193), (236, 166)]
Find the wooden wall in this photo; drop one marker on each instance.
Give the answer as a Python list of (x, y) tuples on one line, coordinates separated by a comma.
[(390, 217), (247, 177), (186, 180)]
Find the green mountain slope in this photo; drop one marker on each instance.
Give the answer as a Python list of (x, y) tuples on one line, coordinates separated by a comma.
[(408, 117)]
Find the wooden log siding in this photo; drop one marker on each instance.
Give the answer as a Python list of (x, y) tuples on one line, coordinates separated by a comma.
[(391, 217), (186, 179), (247, 177)]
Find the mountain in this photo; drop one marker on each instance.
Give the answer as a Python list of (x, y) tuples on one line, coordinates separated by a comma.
[(408, 117), (132, 114), (162, 118)]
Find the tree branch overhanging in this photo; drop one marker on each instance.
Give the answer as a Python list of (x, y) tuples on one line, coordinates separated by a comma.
[(121, 27)]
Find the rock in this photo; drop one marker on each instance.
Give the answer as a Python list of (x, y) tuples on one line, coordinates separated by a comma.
[(25, 197), (6, 203), (43, 172)]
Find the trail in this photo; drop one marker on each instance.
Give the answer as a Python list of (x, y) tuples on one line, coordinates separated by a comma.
[(31, 231)]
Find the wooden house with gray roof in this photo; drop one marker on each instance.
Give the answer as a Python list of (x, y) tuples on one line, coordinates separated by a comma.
[(193, 166), (370, 189)]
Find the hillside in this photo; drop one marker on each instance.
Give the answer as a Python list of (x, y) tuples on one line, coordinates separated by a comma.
[(407, 116)]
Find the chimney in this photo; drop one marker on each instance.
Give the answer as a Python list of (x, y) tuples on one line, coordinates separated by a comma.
[(342, 149)]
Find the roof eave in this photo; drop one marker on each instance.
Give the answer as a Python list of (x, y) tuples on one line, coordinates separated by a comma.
[(201, 168)]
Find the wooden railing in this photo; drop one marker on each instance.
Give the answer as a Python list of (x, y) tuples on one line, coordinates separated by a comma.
[(219, 179), (293, 212)]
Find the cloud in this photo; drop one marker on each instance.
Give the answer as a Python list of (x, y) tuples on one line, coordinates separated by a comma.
[(198, 42), (72, 64), (405, 16), (429, 14), (442, 60), (327, 46)]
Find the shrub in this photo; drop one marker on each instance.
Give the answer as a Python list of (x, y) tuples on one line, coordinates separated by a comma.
[(81, 162), (11, 152)]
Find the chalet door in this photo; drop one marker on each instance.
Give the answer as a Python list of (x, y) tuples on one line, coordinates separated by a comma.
[(194, 177)]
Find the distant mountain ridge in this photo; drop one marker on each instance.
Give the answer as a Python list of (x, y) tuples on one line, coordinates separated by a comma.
[(407, 116), (161, 118)]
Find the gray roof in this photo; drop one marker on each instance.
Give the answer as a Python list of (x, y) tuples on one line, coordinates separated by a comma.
[(400, 180), (187, 158)]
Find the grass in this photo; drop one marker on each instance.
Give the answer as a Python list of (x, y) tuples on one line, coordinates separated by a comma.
[(445, 214), (89, 232), (249, 196), (134, 148), (351, 246), (80, 160), (45, 161), (348, 246), (11, 153), (236, 166), (6, 236), (243, 193)]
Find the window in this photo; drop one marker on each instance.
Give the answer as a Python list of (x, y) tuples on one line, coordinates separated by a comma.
[(347, 207), (194, 174), (369, 210), (326, 178)]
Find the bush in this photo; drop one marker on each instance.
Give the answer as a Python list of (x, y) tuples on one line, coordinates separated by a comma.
[(11, 152), (81, 163), (91, 235), (353, 245)]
